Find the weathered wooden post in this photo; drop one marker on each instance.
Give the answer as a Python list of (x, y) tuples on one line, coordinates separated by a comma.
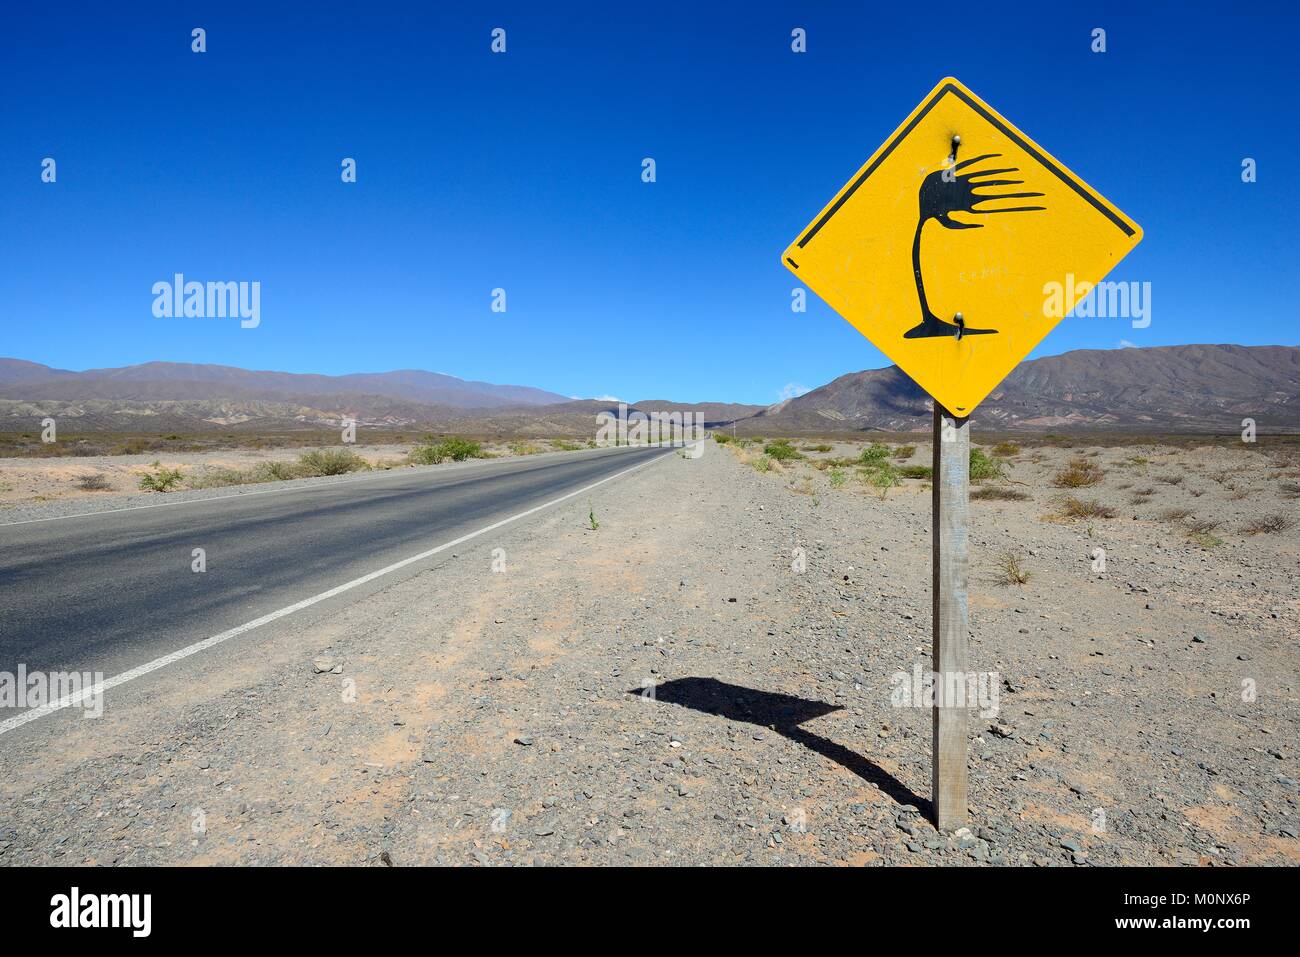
[(950, 504)]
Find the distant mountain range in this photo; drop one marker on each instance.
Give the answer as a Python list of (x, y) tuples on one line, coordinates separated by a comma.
[(183, 397), (154, 381), (1162, 389)]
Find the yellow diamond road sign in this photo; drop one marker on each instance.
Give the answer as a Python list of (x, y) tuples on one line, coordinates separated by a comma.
[(959, 245)]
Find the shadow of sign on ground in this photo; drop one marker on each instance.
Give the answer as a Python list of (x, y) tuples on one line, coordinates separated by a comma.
[(785, 714)]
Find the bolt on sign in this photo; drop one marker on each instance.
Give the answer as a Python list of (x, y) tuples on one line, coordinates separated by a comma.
[(939, 247)]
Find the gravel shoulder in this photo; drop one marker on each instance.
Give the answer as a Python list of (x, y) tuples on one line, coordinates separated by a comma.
[(705, 678)]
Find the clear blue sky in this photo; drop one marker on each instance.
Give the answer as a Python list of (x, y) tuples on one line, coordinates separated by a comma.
[(522, 171)]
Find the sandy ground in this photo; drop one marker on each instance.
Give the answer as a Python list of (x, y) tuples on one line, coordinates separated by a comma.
[(706, 678)]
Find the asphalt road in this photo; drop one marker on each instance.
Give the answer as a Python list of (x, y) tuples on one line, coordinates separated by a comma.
[(112, 590)]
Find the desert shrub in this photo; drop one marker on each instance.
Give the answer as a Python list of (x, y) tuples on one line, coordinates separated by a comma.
[(458, 450), (838, 477), (904, 452), (762, 464), (984, 468), (161, 479), (1173, 478), (94, 482), (1072, 507), (1077, 474), (823, 447), (1006, 449), (524, 448), (265, 472), (999, 493), (220, 478), (781, 450), (1010, 570), (279, 471), (821, 465), (1268, 525), (427, 455), (884, 477), (330, 462), (560, 445), (1201, 526), (874, 453), (1173, 514), (722, 438), (916, 472), (1289, 489)]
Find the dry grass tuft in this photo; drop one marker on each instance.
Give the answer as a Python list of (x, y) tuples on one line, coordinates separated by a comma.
[(1010, 570), (998, 493), (1072, 507), (1268, 525), (1078, 473)]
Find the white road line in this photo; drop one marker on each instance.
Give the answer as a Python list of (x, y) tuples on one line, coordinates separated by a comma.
[(344, 480), (10, 724)]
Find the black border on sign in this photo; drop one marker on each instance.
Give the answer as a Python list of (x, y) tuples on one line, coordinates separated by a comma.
[(1006, 130)]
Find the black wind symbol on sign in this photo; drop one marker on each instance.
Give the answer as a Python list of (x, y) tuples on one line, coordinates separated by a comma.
[(943, 193)]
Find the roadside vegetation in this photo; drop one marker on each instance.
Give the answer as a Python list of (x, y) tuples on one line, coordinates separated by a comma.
[(455, 450), (984, 468), (1078, 473), (998, 493), (1268, 525), (882, 478), (781, 450), (1073, 508), (874, 454), (1010, 570), (313, 463), (330, 462), (161, 479)]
